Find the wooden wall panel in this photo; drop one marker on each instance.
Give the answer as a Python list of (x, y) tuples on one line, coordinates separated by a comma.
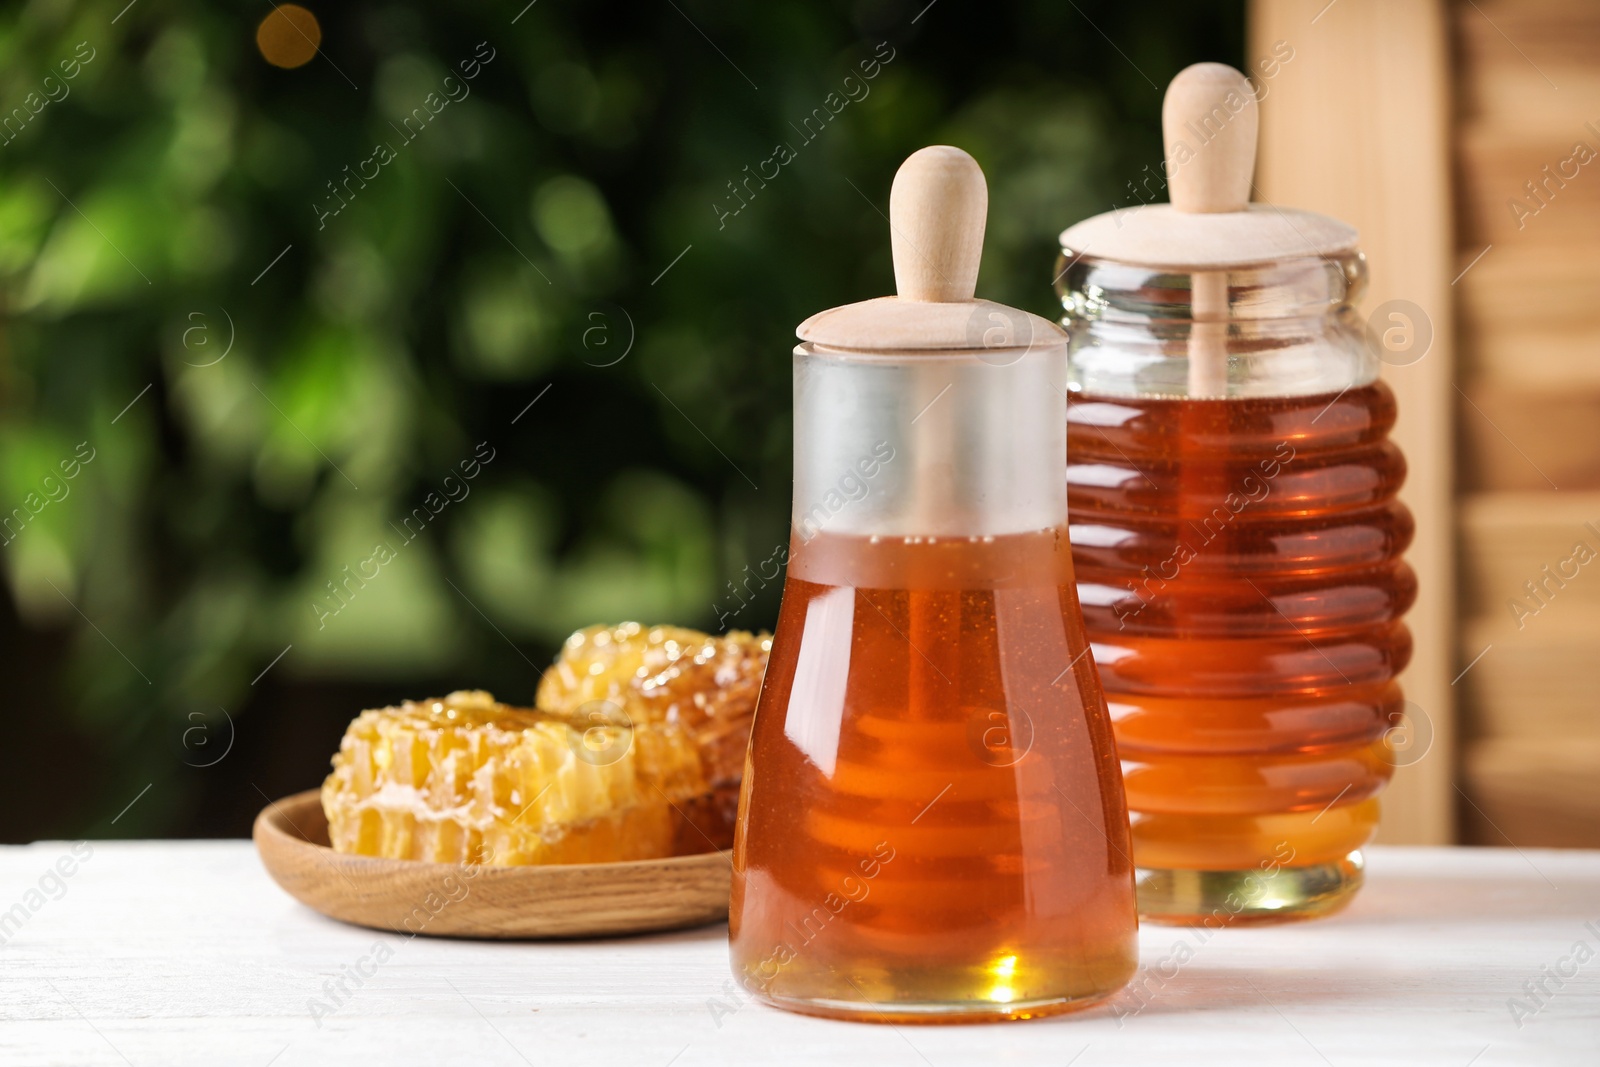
[(1537, 682), (1528, 171), (1507, 539), (1533, 793), (1557, 437)]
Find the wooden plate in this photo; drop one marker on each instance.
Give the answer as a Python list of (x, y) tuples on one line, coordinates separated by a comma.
[(442, 899)]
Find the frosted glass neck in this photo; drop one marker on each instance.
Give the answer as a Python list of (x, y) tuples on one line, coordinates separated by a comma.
[(929, 444)]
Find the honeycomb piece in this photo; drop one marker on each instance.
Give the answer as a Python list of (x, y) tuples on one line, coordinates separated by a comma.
[(664, 674), (465, 779)]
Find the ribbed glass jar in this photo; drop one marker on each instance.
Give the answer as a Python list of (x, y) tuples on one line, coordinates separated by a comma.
[(1237, 544)]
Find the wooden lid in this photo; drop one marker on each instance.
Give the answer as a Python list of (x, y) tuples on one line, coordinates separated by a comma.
[(1208, 123), (938, 206)]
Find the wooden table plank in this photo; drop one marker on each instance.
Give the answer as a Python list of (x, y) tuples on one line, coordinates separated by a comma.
[(186, 953)]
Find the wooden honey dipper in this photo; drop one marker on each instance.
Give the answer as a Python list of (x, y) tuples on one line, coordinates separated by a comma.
[(1214, 102)]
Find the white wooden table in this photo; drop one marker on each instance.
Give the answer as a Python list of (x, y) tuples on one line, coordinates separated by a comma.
[(165, 953)]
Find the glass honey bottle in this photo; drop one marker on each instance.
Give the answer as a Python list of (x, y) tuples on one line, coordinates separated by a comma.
[(1235, 527), (932, 825)]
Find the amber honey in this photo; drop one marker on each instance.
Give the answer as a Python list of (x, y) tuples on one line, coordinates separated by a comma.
[(1239, 566), (932, 824)]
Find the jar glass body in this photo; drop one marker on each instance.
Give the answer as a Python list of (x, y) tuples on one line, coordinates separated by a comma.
[(1238, 542), (932, 825)]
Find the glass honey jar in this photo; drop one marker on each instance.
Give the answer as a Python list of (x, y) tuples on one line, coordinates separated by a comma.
[(932, 825), (1235, 527)]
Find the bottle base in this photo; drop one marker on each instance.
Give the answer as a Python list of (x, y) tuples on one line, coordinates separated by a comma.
[(934, 1012), (1252, 896)]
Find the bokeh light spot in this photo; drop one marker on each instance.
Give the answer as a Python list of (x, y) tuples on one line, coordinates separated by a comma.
[(289, 36), (571, 215)]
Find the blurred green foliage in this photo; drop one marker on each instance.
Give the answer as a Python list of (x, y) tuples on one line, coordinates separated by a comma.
[(270, 388)]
